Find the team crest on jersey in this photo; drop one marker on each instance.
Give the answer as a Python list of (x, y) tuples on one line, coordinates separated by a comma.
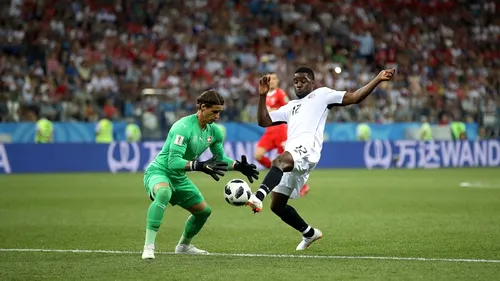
[(209, 139), (311, 96)]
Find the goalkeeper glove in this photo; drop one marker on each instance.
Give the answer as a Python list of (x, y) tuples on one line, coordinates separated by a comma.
[(249, 170), (210, 167)]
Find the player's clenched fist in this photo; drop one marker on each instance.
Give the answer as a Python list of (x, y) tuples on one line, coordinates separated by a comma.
[(386, 75), (264, 85)]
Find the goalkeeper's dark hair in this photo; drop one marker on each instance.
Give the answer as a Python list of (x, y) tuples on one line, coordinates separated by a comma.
[(306, 70), (209, 98)]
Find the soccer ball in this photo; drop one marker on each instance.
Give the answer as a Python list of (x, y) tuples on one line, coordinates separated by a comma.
[(237, 192)]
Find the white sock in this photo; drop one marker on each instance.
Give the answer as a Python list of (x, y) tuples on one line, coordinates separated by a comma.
[(263, 192), (307, 230)]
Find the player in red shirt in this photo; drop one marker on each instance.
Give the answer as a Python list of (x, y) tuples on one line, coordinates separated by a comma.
[(275, 136)]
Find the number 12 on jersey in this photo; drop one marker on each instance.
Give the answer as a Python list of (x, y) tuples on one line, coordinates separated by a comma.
[(295, 109)]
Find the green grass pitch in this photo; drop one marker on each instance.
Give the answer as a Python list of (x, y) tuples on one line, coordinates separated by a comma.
[(372, 221)]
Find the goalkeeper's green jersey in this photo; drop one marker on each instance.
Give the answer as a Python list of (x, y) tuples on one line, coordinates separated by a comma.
[(186, 141)]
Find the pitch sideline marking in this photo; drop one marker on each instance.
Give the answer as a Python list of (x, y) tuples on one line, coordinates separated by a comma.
[(261, 255)]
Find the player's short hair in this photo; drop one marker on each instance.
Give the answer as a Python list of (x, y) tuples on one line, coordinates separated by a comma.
[(306, 70), (209, 98)]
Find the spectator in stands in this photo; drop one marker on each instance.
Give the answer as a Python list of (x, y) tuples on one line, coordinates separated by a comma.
[(65, 57)]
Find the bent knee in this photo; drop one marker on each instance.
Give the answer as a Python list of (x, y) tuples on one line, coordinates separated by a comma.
[(163, 194), (205, 213), (283, 161)]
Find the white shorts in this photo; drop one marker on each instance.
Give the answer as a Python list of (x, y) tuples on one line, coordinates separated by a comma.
[(305, 160)]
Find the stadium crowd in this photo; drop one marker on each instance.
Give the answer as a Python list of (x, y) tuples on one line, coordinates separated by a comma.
[(81, 60)]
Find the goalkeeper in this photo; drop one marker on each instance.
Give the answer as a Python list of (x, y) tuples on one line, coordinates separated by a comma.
[(165, 178)]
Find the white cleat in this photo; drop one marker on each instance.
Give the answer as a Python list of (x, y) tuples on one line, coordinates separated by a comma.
[(149, 252), (189, 249), (306, 242), (255, 204)]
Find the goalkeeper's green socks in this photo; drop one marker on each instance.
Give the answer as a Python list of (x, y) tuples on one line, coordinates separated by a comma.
[(155, 214), (194, 224)]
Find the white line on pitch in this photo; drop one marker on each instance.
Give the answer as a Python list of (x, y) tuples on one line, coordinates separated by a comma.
[(260, 255)]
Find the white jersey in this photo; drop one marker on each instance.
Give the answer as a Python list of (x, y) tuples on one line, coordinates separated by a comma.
[(306, 117)]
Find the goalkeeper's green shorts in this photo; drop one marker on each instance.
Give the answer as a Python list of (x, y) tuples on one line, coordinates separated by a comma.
[(184, 192)]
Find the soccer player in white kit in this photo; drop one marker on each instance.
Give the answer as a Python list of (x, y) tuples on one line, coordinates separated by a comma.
[(306, 118)]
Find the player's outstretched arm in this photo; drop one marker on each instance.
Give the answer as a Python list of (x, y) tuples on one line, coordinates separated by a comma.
[(263, 117), (266, 119), (363, 92)]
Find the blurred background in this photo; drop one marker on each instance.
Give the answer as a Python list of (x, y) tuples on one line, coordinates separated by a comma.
[(74, 63)]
